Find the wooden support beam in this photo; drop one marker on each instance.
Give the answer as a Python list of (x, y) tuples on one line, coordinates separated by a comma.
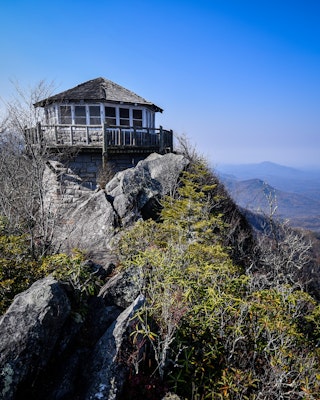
[(104, 145)]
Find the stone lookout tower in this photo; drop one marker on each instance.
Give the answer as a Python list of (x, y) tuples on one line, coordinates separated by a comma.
[(102, 123)]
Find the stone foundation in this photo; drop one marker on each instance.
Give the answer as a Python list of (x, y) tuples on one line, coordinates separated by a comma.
[(88, 165)]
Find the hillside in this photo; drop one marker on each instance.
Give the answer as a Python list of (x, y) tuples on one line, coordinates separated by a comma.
[(172, 296), (296, 193)]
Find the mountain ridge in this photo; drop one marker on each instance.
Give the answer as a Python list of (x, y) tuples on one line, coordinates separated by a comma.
[(296, 193)]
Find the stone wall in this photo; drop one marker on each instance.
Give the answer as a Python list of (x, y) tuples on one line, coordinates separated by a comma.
[(87, 164)]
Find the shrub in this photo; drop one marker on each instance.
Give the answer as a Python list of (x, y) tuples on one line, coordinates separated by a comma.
[(19, 269), (214, 331)]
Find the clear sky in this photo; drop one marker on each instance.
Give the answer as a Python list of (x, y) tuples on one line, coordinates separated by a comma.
[(240, 78)]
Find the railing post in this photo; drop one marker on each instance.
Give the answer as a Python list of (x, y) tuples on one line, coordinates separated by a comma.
[(161, 140), (134, 139), (56, 133), (71, 137), (87, 134), (119, 137), (104, 145)]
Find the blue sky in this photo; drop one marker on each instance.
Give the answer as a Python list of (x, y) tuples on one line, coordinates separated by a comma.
[(241, 79)]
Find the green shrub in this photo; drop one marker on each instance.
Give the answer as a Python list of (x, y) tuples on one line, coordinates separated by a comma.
[(212, 332), (73, 271), (19, 269)]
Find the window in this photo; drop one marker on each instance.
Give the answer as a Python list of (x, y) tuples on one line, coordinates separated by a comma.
[(46, 115), (80, 115), (137, 118), (110, 113), (65, 115), (124, 117), (50, 115), (94, 112)]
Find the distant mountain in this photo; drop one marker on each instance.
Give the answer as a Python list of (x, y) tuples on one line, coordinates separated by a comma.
[(295, 192), (281, 177), (266, 168)]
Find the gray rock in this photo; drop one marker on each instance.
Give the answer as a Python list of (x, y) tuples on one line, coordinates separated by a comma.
[(37, 323), (89, 220), (171, 396), (29, 331), (123, 288), (66, 375), (81, 218), (89, 226), (132, 189), (99, 319), (108, 371)]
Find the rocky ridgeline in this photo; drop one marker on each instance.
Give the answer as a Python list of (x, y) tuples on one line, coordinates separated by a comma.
[(89, 220), (47, 349)]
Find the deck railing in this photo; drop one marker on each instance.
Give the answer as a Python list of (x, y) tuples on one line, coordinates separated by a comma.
[(100, 136)]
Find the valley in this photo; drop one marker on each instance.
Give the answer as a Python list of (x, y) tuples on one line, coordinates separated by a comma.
[(267, 187)]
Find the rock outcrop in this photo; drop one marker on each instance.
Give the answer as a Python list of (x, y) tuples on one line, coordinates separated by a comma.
[(90, 220), (131, 190), (45, 352), (47, 349), (55, 346), (29, 331), (109, 366), (123, 288)]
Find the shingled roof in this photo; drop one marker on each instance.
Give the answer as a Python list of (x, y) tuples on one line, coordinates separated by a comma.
[(98, 90)]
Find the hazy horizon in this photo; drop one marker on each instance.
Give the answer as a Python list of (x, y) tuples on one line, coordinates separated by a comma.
[(304, 167)]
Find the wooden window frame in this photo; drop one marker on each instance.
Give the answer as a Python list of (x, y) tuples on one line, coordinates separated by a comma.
[(147, 116)]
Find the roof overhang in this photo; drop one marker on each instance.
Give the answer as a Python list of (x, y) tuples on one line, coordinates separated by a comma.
[(99, 90)]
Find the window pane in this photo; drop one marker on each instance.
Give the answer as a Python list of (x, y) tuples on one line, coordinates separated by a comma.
[(137, 114), (80, 115), (80, 121), (110, 112), (124, 112), (65, 115), (80, 111), (111, 121), (95, 121), (94, 111), (124, 122), (65, 111), (94, 115), (137, 118), (137, 122)]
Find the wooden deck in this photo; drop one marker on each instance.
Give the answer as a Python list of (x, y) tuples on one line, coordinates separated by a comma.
[(106, 138)]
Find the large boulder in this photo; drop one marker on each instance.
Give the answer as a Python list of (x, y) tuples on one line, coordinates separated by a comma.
[(29, 331), (123, 288), (81, 218), (131, 190), (109, 366), (89, 220), (89, 226)]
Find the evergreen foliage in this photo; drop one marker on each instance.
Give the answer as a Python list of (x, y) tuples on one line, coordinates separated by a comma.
[(213, 330), (19, 269)]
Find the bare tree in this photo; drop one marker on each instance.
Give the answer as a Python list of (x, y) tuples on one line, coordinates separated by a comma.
[(21, 167), (186, 148), (282, 250), (21, 111)]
